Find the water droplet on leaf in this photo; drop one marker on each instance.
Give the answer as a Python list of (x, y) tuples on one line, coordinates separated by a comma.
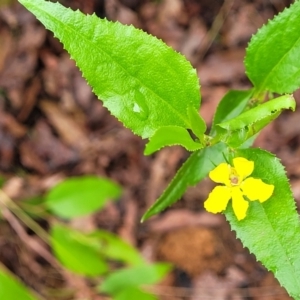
[(139, 106)]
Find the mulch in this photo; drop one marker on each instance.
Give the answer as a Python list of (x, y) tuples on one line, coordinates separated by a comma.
[(53, 127)]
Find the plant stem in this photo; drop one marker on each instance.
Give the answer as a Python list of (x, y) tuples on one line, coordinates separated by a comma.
[(29, 222)]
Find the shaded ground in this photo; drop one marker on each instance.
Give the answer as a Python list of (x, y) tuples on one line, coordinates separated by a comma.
[(52, 126)]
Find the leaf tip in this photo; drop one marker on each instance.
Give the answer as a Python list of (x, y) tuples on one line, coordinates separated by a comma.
[(146, 216)]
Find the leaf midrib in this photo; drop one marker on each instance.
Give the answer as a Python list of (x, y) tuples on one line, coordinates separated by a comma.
[(71, 29), (284, 250), (262, 86)]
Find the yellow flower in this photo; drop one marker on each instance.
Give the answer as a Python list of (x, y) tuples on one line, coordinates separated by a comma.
[(236, 186)]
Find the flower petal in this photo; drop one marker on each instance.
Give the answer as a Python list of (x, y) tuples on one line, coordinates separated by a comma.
[(256, 189), (243, 166), (217, 199), (220, 174), (239, 204)]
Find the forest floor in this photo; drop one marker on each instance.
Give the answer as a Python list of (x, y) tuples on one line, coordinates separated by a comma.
[(53, 127)]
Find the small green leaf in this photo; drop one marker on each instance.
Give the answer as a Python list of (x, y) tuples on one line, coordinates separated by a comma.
[(170, 136), (134, 277), (142, 81), (236, 131), (79, 196), (198, 125), (195, 168), (11, 288), (273, 55), (271, 230), (77, 251), (230, 106), (115, 248), (134, 293)]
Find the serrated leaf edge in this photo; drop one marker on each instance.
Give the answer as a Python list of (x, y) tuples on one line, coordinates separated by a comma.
[(253, 39), (279, 242), (94, 18)]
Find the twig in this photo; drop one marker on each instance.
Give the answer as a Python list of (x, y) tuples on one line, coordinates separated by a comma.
[(10, 212), (5, 201), (32, 243), (216, 26)]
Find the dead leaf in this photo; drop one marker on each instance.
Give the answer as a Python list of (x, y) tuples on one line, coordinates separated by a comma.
[(69, 130)]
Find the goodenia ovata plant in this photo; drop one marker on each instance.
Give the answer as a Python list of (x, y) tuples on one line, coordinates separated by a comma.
[(155, 92), (236, 185)]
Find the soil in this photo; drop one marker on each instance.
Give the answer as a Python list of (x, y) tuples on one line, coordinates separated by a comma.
[(52, 127)]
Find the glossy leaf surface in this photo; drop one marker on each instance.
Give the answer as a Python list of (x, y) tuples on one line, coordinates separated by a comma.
[(195, 168), (198, 125), (271, 230), (80, 196), (236, 131), (273, 55), (144, 83), (198, 165), (170, 136), (230, 106)]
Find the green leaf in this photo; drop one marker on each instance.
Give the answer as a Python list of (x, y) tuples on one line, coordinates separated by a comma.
[(198, 125), (271, 230), (134, 277), (170, 136), (236, 131), (134, 293), (115, 248), (79, 196), (77, 251), (273, 55), (142, 81), (195, 168), (11, 288), (199, 164), (231, 105)]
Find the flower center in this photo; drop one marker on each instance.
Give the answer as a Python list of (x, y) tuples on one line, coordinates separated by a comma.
[(234, 177)]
